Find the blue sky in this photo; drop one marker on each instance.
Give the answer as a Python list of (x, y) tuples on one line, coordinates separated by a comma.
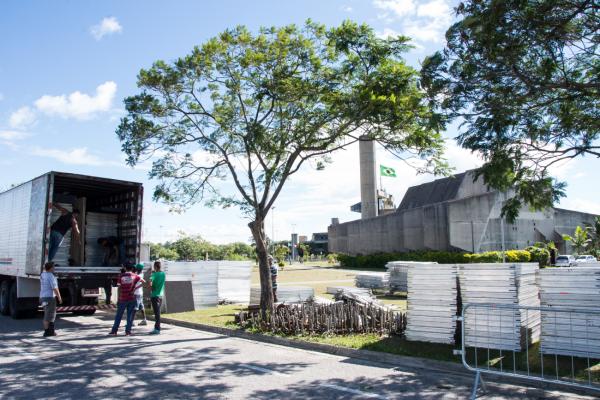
[(65, 67)]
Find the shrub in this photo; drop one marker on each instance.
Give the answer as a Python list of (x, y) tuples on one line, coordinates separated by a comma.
[(379, 260), (332, 258), (539, 255), (485, 257), (517, 256)]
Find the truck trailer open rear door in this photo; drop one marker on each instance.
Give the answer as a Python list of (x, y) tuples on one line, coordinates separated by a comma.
[(37, 226)]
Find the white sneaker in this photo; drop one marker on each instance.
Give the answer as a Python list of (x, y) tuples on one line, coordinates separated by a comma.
[(143, 322)]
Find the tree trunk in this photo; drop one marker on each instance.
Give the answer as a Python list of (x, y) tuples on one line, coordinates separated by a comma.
[(266, 288)]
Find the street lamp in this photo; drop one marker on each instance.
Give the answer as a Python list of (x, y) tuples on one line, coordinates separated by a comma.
[(273, 230)]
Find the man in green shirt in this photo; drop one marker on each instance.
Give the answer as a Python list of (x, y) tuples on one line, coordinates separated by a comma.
[(157, 283)]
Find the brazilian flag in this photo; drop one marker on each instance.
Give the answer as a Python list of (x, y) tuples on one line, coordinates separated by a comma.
[(387, 171)]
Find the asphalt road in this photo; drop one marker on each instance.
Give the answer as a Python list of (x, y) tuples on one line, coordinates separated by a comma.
[(84, 363)]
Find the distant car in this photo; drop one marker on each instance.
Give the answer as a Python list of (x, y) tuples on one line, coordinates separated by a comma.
[(566, 260), (586, 258)]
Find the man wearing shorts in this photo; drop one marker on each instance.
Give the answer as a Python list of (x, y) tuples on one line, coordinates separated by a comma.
[(49, 294), (139, 295)]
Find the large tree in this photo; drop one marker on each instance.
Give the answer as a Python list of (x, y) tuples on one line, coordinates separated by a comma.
[(524, 77), (252, 109)]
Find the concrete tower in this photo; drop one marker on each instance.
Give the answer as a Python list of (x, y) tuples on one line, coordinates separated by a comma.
[(368, 178)]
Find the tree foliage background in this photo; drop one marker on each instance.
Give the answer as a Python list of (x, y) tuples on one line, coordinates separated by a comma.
[(195, 248), (524, 78), (253, 109)]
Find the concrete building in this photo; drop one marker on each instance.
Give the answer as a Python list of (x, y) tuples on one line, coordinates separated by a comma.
[(453, 214), (368, 178), (318, 243)]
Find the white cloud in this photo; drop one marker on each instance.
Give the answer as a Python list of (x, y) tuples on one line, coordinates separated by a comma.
[(423, 22), (461, 159), (387, 32), (398, 7), (107, 26), (79, 105), (434, 9), (75, 156), (12, 136), (347, 9), (22, 118), (581, 205)]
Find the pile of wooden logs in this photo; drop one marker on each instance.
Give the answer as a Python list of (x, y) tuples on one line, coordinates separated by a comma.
[(341, 317)]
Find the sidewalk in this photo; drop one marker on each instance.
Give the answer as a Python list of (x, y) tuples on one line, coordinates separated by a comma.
[(396, 362)]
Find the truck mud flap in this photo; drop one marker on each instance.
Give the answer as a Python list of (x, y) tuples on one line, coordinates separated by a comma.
[(85, 308)]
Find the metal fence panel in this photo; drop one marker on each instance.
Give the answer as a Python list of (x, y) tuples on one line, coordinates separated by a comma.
[(432, 303), (234, 281), (506, 283), (98, 225), (568, 351)]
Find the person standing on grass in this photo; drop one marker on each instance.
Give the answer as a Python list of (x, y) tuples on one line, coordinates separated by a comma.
[(127, 283), (300, 254), (157, 284), (274, 272), (49, 295), (139, 295)]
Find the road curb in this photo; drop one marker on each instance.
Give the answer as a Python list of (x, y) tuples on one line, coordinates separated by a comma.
[(365, 355), (394, 360)]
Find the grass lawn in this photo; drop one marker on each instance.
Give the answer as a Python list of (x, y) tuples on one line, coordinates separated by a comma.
[(391, 344), (222, 316), (320, 278)]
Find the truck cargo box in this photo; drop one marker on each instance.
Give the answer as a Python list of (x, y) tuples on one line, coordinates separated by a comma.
[(108, 207)]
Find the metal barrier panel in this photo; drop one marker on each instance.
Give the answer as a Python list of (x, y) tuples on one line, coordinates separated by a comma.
[(567, 352)]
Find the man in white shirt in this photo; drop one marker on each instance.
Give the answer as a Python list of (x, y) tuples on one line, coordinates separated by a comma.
[(49, 294), (139, 294)]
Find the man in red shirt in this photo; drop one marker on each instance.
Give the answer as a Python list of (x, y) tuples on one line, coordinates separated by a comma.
[(127, 282)]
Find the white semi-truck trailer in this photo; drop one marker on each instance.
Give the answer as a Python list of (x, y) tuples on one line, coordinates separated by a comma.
[(108, 207)]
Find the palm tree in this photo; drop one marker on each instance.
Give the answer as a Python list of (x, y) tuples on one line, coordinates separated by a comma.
[(594, 232), (580, 239)]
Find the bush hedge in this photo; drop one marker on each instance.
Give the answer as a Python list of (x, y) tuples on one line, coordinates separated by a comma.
[(539, 254), (379, 260)]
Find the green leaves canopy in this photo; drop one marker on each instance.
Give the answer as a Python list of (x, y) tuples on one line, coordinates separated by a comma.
[(254, 108), (580, 239), (524, 77)]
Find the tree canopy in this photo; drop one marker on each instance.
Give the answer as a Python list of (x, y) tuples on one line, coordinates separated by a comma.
[(524, 78), (194, 248), (254, 108)]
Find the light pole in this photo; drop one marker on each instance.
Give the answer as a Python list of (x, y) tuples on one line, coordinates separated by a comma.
[(294, 242), (273, 230)]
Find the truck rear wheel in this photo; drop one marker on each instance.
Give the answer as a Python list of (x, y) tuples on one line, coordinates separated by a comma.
[(5, 297), (13, 302)]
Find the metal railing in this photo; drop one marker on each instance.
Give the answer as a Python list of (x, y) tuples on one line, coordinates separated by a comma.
[(556, 345)]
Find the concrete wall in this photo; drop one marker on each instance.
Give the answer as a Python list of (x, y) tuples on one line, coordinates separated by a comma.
[(419, 228), (565, 222), (470, 224), (368, 178)]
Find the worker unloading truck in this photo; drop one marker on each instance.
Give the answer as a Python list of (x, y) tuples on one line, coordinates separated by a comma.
[(60, 227), (87, 226)]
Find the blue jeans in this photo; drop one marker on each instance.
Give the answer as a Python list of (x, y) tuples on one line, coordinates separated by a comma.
[(121, 307), (55, 240)]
